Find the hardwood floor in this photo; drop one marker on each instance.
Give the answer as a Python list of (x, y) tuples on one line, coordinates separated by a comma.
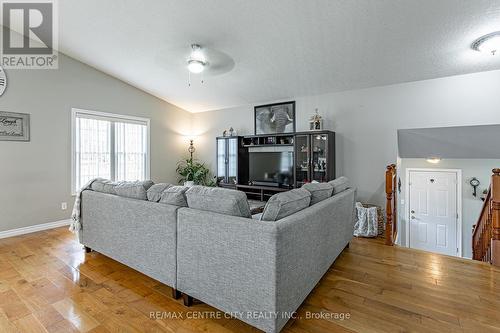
[(49, 284)]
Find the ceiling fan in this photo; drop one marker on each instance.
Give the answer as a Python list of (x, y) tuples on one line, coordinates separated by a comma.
[(200, 60)]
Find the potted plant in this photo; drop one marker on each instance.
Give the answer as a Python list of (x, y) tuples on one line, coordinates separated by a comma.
[(192, 173)]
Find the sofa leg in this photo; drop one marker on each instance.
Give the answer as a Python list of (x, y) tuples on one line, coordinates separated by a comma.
[(87, 249), (176, 294), (347, 246), (188, 300)]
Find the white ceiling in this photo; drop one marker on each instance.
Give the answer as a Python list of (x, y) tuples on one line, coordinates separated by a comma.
[(281, 48)]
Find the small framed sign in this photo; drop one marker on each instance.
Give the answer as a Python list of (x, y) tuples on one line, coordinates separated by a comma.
[(14, 126)]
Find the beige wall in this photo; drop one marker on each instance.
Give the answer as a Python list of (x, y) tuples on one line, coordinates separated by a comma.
[(35, 176), (366, 121)]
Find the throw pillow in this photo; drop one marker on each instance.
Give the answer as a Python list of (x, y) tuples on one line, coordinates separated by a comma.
[(155, 191), (287, 203), (134, 190), (174, 195), (340, 184), (319, 191), (104, 186), (218, 200)]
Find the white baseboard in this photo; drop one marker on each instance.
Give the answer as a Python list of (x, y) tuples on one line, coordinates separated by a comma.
[(33, 228)]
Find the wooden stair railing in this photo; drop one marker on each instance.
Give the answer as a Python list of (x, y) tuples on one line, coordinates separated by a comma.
[(486, 232), (391, 210)]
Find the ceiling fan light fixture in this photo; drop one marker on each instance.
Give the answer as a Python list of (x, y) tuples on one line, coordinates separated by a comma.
[(196, 66), (196, 62), (489, 43)]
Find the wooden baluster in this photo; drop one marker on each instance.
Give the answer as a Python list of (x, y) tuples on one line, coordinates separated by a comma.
[(495, 217), (388, 208), (474, 241), (489, 233), (484, 238), (394, 203)]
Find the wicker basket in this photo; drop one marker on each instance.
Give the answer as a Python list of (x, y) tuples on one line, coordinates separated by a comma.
[(380, 219)]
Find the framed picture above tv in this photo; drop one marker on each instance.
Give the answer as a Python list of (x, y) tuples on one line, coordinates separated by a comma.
[(275, 118)]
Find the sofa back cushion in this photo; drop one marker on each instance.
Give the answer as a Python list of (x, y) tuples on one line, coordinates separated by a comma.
[(340, 184), (218, 200), (135, 190), (174, 195), (103, 186), (284, 204), (155, 191), (319, 191)]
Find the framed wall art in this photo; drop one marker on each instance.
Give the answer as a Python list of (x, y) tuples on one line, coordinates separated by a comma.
[(14, 126), (275, 118)]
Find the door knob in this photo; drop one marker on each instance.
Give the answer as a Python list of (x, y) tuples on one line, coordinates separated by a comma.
[(412, 211)]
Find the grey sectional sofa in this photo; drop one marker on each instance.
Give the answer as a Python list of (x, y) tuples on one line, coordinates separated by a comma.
[(258, 270)]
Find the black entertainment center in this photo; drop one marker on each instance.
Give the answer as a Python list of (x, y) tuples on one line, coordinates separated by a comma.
[(262, 165)]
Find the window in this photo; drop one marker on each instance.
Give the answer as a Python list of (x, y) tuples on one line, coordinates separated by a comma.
[(110, 146)]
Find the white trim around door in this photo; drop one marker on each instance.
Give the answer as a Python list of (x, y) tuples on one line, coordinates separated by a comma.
[(458, 172)]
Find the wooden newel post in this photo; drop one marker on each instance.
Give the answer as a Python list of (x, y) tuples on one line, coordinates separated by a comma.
[(495, 217), (389, 178)]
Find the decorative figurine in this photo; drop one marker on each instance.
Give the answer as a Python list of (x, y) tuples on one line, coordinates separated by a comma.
[(316, 122)]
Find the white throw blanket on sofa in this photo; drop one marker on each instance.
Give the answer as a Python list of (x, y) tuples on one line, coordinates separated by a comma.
[(75, 225)]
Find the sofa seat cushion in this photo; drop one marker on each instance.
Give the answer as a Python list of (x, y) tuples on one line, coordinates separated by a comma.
[(175, 195), (287, 203), (319, 191), (135, 190), (155, 191), (340, 184), (218, 200)]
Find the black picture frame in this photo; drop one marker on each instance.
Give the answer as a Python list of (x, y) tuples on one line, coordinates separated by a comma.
[(264, 114)]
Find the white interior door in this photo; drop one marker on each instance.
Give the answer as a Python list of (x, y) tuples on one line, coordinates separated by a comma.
[(433, 211)]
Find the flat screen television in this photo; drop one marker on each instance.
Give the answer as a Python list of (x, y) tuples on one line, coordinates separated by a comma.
[(271, 168)]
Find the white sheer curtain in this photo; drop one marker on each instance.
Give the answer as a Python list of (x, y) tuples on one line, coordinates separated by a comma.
[(109, 147)]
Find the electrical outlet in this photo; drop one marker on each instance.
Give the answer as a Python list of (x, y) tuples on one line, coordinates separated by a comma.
[(64, 205)]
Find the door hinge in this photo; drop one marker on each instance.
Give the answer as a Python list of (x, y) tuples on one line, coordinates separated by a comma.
[(457, 216)]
